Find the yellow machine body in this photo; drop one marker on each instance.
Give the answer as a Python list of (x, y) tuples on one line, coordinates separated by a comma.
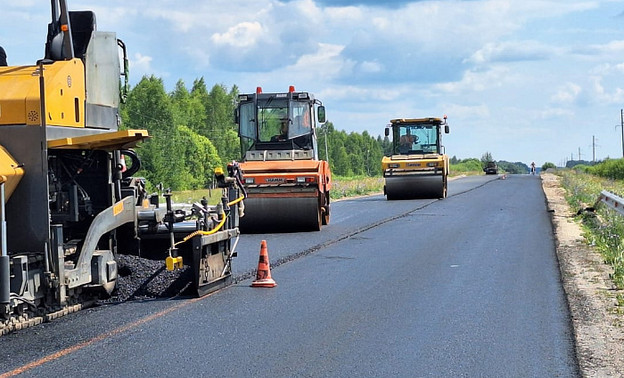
[(11, 171), (64, 94)]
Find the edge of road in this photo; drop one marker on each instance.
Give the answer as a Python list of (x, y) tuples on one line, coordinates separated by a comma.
[(597, 322)]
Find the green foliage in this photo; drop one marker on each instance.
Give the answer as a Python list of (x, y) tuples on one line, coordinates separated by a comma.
[(356, 186), (351, 154), (574, 163), (176, 155), (201, 159), (612, 169), (605, 228), (547, 165), (486, 158), (149, 107), (193, 131), (466, 165), (513, 168)]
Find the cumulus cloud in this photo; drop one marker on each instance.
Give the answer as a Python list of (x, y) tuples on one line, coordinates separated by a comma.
[(476, 81), (141, 64), (606, 49), (370, 60), (511, 51), (567, 94), (603, 95), (242, 35)]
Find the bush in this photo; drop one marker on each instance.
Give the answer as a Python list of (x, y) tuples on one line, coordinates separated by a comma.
[(612, 169), (467, 165), (548, 165)]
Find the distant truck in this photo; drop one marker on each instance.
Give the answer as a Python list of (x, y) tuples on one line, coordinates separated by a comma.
[(491, 168)]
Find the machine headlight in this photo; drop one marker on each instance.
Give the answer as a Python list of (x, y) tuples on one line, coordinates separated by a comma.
[(249, 180), (394, 165), (433, 164)]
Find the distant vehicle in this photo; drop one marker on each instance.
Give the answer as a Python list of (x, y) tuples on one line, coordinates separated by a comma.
[(491, 168), (417, 166)]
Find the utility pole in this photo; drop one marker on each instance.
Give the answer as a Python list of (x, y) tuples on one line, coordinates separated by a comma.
[(622, 128), (593, 148), (579, 153)]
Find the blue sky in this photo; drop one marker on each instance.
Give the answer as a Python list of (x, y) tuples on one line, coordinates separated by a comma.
[(530, 80)]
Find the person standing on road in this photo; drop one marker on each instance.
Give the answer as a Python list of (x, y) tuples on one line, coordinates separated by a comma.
[(3, 61)]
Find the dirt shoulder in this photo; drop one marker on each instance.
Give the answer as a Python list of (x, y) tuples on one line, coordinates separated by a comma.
[(598, 327)]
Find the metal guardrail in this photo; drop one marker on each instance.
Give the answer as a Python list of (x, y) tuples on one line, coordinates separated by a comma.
[(614, 202)]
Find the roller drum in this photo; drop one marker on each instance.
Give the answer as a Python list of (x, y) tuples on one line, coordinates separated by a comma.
[(281, 214), (414, 187)]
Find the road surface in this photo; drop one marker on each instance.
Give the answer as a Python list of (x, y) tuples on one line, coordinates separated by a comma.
[(466, 286)]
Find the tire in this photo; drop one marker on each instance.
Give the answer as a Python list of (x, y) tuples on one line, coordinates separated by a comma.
[(327, 212)]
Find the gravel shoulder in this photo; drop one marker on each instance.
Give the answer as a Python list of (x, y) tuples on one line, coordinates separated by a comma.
[(598, 327)]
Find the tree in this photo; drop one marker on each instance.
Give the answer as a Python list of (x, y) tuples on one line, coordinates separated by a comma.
[(486, 158), (149, 107), (547, 165), (199, 158), (220, 127)]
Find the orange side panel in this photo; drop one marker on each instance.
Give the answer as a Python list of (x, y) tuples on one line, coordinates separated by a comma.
[(286, 171)]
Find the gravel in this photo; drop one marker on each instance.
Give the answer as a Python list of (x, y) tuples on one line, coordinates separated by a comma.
[(141, 278)]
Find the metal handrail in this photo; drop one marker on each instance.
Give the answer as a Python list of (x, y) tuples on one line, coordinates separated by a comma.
[(613, 201)]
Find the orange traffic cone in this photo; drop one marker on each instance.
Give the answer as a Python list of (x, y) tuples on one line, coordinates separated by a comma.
[(263, 277)]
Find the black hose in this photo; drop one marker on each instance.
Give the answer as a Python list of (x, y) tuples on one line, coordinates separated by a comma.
[(136, 163)]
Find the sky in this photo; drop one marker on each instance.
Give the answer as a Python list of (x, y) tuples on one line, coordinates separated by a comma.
[(530, 80)]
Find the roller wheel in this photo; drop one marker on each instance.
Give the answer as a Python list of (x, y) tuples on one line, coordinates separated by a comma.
[(319, 220), (326, 212)]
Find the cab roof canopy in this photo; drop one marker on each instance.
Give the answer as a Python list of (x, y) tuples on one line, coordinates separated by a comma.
[(433, 120)]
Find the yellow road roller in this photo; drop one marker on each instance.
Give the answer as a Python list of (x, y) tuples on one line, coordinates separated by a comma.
[(417, 166)]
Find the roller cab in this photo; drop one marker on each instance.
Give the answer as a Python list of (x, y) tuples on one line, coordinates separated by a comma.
[(417, 167), (288, 187)]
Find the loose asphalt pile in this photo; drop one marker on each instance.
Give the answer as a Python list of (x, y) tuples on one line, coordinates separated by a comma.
[(141, 278)]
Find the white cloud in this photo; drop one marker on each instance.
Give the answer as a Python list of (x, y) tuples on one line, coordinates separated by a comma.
[(567, 94), (605, 96), (476, 81), (460, 111), (371, 67), (141, 64), (481, 61), (509, 51), (242, 35)]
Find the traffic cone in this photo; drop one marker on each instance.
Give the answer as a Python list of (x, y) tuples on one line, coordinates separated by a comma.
[(263, 277)]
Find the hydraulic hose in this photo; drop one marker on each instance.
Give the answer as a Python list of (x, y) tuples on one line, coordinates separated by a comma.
[(199, 232)]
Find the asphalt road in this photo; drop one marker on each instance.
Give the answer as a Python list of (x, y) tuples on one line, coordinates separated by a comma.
[(467, 286)]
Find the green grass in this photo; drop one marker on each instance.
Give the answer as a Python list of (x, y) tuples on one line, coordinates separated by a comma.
[(342, 187), (190, 196), (603, 228)]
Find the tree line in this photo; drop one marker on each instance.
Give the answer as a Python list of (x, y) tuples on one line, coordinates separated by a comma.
[(193, 131)]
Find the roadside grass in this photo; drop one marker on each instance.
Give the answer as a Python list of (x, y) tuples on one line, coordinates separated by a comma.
[(190, 196), (603, 228), (342, 187)]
